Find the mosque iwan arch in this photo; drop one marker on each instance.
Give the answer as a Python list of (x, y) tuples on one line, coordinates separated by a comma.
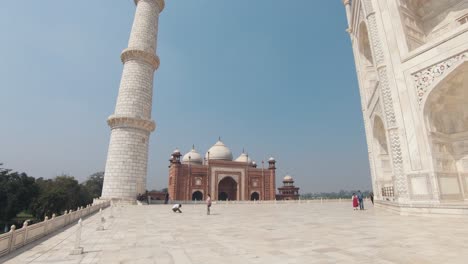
[(412, 66)]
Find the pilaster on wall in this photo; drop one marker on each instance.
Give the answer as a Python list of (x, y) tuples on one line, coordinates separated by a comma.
[(272, 190), (400, 181)]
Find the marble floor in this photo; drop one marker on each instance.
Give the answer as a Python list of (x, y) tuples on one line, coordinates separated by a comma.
[(255, 233)]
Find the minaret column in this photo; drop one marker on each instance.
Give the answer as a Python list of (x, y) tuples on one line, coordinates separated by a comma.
[(131, 124), (272, 178), (347, 4)]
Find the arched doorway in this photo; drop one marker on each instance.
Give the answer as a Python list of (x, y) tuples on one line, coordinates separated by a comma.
[(223, 196), (446, 117), (382, 165), (227, 189), (197, 196), (255, 196), (366, 61)]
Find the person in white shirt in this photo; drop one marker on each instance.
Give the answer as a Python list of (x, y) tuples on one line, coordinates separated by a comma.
[(176, 208)]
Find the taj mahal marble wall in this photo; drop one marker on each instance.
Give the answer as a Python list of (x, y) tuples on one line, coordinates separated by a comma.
[(412, 62)]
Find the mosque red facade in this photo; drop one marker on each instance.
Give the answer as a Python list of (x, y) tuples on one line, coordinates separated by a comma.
[(192, 177)]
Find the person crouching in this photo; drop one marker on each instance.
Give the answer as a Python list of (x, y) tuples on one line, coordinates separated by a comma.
[(176, 208)]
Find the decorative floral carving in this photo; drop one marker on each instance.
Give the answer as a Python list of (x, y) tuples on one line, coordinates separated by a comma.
[(368, 6), (376, 45), (387, 98), (425, 78), (400, 178), (198, 181)]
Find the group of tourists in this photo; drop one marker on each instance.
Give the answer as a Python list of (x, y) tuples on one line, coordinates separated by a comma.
[(358, 200), (176, 207)]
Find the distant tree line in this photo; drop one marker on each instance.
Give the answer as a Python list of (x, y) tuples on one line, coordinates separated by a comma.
[(36, 198), (333, 195)]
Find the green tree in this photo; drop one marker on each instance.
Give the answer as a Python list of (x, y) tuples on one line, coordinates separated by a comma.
[(59, 194), (17, 191), (93, 184)]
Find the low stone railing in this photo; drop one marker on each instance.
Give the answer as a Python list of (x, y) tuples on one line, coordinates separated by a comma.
[(17, 238), (319, 200)]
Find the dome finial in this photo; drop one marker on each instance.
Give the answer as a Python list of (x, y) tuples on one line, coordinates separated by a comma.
[(219, 138), (243, 150), (193, 146)]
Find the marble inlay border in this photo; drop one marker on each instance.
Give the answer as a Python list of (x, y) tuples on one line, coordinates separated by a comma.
[(424, 79)]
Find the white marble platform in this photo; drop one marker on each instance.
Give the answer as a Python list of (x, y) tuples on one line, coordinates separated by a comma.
[(256, 233)]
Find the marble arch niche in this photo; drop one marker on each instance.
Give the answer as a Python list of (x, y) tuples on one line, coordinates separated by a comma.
[(424, 20), (369, 74), (446, 118), (383, 167)]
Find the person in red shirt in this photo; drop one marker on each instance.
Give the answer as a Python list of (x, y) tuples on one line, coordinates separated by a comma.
[(355, 201)]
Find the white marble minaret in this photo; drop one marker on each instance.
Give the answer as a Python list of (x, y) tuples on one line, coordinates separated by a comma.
[(131, 124)]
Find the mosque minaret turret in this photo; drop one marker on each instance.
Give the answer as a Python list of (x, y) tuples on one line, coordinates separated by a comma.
[(131, 123), (271, 180)]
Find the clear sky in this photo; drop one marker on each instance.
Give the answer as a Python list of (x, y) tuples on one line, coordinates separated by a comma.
[(274, 77)]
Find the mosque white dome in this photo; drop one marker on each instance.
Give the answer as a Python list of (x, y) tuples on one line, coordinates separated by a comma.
[(243, 158), (176, 151), (288, 178), (192, 157), (271, 159), (219, 152)]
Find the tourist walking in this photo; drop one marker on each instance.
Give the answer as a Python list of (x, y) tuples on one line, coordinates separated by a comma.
[(361, 200), (355, 201), (176, 208), (208, 204), (371, 196)]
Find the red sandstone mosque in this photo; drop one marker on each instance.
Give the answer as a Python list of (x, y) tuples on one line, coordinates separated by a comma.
[(192, 177)]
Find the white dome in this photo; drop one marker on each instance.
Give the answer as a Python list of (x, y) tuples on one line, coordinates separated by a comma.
[(195, 157), (176, 151), (288, 178), (271, 159), (243, 158), (219, 152)]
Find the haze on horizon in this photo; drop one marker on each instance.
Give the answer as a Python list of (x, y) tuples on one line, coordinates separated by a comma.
[(276, 79)]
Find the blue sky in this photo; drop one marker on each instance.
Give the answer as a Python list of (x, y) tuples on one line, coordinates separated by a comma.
[(274, 77)]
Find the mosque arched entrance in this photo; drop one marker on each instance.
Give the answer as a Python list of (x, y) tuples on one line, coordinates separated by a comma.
[(197, 196), (255, 196), (223, 196), (227, 189)]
